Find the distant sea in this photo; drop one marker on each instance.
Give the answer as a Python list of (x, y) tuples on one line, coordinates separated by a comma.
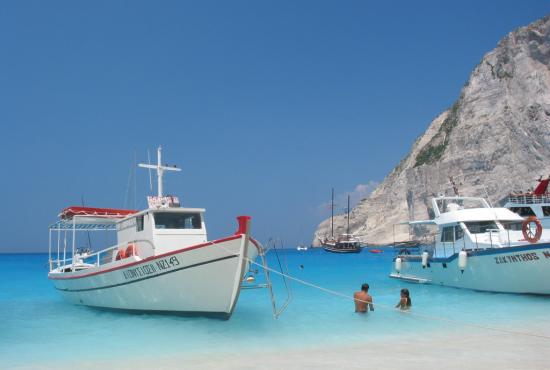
[(38, 327)]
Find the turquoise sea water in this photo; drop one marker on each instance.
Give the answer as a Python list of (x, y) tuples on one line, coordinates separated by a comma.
[(37, 326)]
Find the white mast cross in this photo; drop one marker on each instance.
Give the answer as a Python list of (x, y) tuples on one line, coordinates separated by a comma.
[(160, 170)]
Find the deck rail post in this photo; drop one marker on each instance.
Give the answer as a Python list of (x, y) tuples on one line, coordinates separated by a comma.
[(74, 243), (50, 249)]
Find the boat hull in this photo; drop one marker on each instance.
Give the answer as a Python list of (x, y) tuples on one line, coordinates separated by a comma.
[(199, 280), (523, 269), (341, 250)]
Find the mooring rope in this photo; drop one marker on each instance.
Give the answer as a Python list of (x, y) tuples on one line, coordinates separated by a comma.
[(408, 312)]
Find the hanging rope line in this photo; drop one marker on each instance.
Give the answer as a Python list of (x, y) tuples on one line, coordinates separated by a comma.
[(413, 314), (280, 265)]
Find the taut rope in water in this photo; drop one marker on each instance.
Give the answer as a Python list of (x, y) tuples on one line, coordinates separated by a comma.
[(426, 317)]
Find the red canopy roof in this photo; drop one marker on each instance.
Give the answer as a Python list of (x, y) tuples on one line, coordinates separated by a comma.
[(69, 212)]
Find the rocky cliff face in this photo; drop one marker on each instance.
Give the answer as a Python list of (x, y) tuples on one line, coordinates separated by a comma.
[(494, 139)]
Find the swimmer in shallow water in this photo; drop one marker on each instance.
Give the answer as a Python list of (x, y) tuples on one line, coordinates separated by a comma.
[(363, 300), (405, 301)]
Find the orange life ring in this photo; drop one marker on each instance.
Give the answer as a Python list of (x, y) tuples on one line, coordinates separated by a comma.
[(121, 254), (131, 250), (528, 232)]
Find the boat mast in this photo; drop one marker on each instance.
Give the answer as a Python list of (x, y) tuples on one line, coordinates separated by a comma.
[(160, 170), (332, 215), (347, 232)]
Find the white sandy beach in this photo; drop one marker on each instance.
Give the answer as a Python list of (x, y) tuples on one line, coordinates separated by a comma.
[(476, 350)]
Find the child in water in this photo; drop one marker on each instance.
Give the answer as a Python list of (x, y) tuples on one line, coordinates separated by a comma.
[(405, 302)]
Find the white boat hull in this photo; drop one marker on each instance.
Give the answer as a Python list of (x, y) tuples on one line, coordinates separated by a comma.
[(523, 269), (203, 279)]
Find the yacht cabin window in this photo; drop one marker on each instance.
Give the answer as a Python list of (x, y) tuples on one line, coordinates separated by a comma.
[(523, 211), (452, 233), (512, 225), (177, 220), (545, 211), (453, 204), (480, 227), (447, 234), (139, 223), (459, 233)]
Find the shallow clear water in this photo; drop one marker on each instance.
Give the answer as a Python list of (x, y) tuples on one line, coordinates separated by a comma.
[(36, 325)]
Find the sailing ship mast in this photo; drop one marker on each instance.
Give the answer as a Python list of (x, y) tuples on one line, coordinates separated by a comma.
[(348, 217), (332, 215)]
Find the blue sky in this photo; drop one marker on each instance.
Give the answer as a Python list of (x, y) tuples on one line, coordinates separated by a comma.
[(265, 105)]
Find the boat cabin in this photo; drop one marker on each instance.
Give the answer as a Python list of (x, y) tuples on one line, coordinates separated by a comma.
[(467, 223), (163, 227), (159, 229)]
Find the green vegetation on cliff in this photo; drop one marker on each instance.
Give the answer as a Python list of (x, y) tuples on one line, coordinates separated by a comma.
[(431, 152)]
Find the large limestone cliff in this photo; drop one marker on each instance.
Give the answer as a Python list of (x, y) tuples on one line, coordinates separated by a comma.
[(494, 139)]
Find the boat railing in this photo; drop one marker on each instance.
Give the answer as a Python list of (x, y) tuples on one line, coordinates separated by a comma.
[(472, 239), (529, 198), (491, 238), (62, 264)]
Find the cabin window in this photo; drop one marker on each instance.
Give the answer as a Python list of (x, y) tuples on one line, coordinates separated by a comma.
[(139, 223), (177, 220), (511, 225), (545, 211), (480, 227), (523, 211), (447, 235), (459, 233)]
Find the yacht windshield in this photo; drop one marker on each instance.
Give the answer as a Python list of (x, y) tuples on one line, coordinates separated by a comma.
[(512, 225), (176, 220), (456, 204), (480, 227)]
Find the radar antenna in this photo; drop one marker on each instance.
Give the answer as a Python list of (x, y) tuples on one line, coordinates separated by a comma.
[(160, 170)]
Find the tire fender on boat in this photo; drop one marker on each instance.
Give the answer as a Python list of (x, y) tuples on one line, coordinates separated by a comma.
[(528, 233)]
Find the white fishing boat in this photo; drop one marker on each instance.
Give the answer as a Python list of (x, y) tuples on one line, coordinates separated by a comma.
[(162, 260), (476, 246), (534, 203)]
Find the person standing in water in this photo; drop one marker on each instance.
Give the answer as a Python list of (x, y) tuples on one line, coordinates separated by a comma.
[(363, 300), (405, 301)]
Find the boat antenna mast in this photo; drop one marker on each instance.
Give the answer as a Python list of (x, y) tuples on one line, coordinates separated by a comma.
[(160, 170), (348, 217), (332, 215)]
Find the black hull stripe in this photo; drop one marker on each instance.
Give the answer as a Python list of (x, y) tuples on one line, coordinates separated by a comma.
[(336, 250), (208, 314), (150, 277), (484, 252)]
